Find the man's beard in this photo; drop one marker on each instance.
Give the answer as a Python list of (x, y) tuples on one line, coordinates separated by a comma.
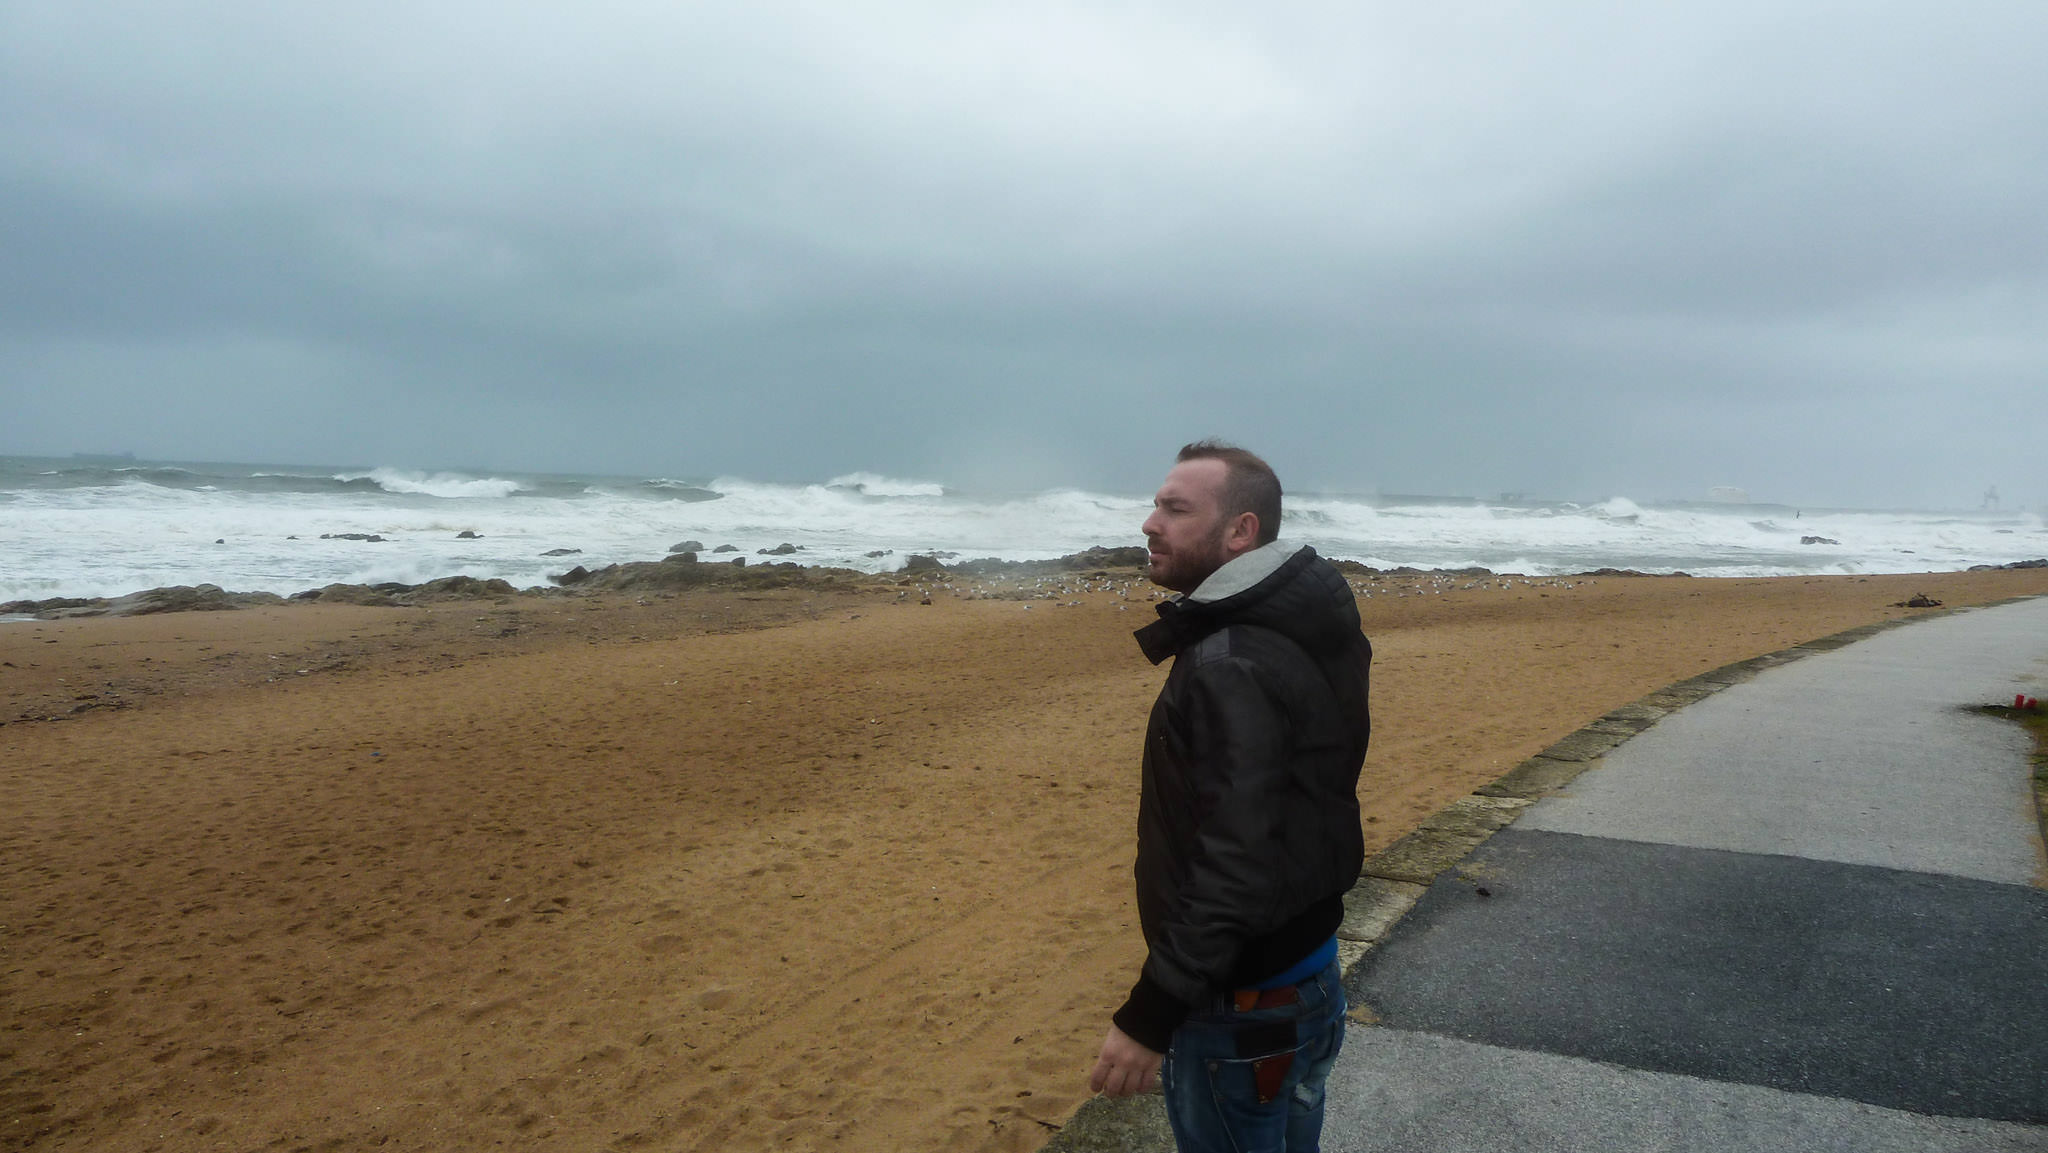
[(1183, 571)]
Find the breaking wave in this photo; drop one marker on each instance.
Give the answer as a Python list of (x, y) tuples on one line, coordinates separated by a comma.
[(449, 485)]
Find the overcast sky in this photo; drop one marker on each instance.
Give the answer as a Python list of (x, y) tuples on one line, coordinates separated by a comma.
[(1570, 249)]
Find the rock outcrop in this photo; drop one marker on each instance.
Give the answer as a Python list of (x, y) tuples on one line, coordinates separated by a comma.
[(1083, 561), (642, 576), (169, 599)]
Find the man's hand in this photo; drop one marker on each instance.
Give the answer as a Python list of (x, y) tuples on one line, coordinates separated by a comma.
[(1125, 1067)]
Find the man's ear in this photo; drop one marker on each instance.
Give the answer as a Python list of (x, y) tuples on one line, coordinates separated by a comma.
[(1243, 534)]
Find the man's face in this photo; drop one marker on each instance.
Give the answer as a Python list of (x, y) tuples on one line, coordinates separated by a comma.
[(1184, 536)]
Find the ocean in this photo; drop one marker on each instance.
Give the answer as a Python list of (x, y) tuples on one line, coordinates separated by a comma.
[(91, 526)]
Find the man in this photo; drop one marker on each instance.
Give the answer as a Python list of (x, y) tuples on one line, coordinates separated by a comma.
[(1248, 833)]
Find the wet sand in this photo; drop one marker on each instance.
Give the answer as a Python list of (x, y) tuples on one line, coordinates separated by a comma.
[(782, 869)]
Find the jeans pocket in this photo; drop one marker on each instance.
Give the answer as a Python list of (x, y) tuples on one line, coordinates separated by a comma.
[(1269, 1098), (1254, 1092)]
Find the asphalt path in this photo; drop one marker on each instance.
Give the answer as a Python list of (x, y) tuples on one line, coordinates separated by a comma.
[(1804, 913)]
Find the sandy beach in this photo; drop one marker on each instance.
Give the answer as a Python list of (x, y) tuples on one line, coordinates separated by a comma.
[(800, 868)]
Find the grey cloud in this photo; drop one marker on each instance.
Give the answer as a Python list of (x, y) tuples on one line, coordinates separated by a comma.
[(1580, 250)]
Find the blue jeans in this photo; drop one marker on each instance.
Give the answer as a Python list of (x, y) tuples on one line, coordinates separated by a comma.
[(1222, 1062)]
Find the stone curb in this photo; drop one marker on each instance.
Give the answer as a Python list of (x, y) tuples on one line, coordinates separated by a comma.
[(1397, 876)]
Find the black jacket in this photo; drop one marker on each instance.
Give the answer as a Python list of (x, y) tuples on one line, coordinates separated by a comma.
[(1248, 833)]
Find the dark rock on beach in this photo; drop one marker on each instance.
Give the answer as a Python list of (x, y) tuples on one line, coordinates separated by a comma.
[(2018, 564), (461, 588), (1083, 561), (783, 549), (1818, 540), (1099, 557), (467, 534), (368, 536), (687, 546), (51, 605), (679, 571), (642, 576), (562, 552), (187, 598), (171, 599), (725, 548), (392, 594), (344, 594)]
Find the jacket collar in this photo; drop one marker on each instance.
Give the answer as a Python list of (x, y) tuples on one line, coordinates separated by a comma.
[(1184, 618), (1243, 571)]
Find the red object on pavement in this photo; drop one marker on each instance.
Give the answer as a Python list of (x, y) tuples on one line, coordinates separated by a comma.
[(2019, 700)]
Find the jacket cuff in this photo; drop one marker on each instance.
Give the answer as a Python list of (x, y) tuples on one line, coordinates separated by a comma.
[(1150, 1015)]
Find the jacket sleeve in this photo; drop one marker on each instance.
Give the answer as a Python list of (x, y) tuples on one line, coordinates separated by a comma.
[(1235, 881)]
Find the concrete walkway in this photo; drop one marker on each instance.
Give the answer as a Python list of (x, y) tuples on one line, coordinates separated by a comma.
[(1795, 904), (1800, 914)]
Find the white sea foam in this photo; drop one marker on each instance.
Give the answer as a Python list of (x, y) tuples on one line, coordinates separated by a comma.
[(103, 532)]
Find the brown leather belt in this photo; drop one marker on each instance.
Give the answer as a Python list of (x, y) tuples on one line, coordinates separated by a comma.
[(1245, 1000)]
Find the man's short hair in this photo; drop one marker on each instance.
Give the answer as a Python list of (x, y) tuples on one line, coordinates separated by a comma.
[(1248, 486)]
